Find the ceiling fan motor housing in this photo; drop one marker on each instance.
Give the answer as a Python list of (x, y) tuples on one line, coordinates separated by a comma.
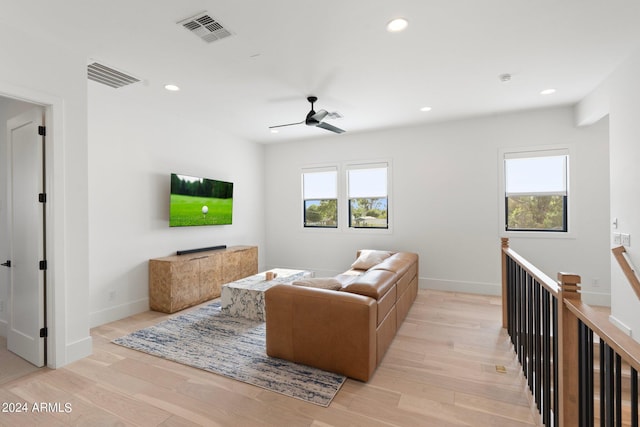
[(310, 121)]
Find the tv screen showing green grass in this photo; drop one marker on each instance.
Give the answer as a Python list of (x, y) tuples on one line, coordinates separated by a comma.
[(200, 201)]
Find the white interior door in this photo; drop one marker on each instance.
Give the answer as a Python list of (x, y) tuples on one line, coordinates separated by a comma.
[(26, 216)]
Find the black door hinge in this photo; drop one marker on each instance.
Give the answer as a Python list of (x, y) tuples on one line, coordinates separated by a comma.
[(44, 332), (43, 265), (42, 130), (42, 197)]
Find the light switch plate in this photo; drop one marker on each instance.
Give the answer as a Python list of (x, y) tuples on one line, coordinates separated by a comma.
[(626, 239)]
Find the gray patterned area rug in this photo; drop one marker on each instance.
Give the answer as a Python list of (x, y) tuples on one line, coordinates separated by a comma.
[(234, 347)]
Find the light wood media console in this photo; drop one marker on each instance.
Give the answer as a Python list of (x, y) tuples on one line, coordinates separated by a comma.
[(180, 281)]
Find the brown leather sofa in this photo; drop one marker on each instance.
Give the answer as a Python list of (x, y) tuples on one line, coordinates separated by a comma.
[(348, 330)]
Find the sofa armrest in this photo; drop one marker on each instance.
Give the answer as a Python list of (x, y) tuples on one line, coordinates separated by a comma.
[(329, 330)]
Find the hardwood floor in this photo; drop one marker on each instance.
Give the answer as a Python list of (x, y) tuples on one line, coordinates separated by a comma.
[(439, 371)]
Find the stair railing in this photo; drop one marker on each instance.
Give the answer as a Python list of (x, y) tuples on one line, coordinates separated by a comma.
[(553, 334)]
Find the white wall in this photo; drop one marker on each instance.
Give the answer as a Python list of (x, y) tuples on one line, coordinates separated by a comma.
[(36, 69), (624, 101), (135, 144), (445, 200)]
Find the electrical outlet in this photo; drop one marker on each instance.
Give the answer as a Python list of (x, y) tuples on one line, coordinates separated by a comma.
[(617, 239), (112, 295), (626, 239), (596, 282)]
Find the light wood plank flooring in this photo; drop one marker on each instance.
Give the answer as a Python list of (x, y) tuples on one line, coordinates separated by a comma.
[(439, 371)]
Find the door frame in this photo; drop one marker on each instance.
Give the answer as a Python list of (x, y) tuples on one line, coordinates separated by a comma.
[(54, 216)]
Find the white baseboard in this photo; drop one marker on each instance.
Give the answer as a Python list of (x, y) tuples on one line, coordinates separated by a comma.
[(460, 286), (78, 350), (4, 326), (591, 298), (118, 312), (624, 328)]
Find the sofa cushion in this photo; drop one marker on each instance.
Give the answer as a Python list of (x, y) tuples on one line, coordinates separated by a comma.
[(399, 263), (373, 283), (369, 258), (319, 282), (345, 278)]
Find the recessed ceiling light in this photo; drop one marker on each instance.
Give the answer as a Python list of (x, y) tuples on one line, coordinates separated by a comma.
[(397, 25), (425, 109), (274, 131), (172, 88), (547, 91)]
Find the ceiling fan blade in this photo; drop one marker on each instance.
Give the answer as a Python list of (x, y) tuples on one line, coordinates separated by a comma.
[(320, 115), (332, 128), (288, 124)]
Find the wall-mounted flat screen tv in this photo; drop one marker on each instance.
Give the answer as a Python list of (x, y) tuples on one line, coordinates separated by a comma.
[(200, 201)]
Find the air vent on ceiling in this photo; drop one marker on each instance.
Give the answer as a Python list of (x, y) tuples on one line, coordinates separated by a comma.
[(106, 75), (205, 27)]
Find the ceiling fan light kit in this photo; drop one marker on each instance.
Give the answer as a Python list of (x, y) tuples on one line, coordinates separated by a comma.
[(316, 119)]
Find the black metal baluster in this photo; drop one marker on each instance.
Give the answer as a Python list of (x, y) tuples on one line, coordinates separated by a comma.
[(521, 315), (556, 414), (537, 353), (510, 300), (634, 398), (618, 390), (590, 389), (546, 350), (582, 363), (519, 303), (603, 386), (609, 386), (523, 322), (586, 375), (530, 332), (516, 308)]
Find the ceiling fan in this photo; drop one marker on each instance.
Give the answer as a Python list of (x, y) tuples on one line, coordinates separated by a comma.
[(316, 119)]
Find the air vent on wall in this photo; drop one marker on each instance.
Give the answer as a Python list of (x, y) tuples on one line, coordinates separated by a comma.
[(205, 27), (106, 75)]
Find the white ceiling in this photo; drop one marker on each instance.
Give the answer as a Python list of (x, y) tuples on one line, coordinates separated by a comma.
[(281, 51)]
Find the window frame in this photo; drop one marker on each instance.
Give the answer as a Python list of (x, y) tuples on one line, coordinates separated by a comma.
[(569, 197), (342, 197), (364, 166)]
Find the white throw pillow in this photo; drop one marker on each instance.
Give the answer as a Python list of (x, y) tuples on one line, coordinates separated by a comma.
[(369, 258)]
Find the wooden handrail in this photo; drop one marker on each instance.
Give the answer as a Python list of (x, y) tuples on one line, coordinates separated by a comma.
[(599, 323), (628, 270), (547, 282), (550, 284)]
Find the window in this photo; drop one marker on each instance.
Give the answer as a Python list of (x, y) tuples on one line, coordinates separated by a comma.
[(320, 197), (367, 194), (536, 190)]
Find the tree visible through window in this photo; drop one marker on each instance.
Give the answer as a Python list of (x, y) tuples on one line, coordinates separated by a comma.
[(368, 198), (536, 191), (320, 197)]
